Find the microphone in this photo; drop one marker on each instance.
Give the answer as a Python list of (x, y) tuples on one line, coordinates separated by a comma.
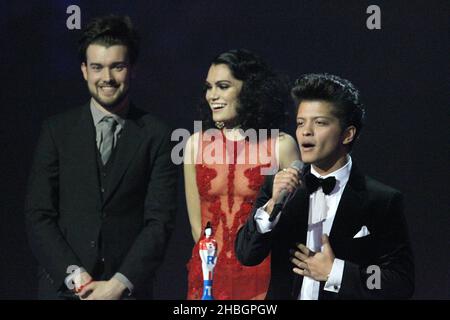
[(284, 194)]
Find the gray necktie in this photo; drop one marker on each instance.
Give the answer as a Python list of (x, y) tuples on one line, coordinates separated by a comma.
[(107, 128)]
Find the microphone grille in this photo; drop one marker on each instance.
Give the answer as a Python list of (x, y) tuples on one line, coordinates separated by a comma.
[(297, 164)]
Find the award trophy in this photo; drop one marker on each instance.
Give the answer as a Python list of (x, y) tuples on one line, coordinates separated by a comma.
[(208, 254)]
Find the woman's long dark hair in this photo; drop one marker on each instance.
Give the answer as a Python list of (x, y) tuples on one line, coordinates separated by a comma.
[(263, 97)]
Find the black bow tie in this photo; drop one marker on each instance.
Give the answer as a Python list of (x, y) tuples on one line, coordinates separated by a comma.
[(313, 183)]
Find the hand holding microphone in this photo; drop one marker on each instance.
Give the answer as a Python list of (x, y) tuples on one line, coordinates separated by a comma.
[(284, 185)]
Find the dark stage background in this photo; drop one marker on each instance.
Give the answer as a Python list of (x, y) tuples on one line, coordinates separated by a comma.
[(401, 70)]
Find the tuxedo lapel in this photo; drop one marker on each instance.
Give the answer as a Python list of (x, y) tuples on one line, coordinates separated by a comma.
[(297, 217), (299, 210), (127, 146), (301, 203), (297, 213), (348, 213)]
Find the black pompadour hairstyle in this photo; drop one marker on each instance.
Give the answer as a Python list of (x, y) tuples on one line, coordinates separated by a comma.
[(108, 31), (340, 93)]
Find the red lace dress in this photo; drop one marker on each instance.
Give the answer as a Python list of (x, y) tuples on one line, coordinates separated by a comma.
[(227, 193)]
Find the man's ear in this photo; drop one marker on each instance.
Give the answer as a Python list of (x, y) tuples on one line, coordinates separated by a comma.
[(348, 135), (84, 70)]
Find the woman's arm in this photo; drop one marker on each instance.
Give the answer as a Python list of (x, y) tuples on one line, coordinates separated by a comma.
[(190, 186)]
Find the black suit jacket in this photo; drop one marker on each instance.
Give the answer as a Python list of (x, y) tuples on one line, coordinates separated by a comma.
[(364, 202), (69, 221)]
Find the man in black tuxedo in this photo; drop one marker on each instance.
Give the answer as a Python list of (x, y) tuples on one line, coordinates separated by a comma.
[(102, 191), (367, 254)]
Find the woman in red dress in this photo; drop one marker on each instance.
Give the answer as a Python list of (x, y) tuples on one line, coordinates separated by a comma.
[(225, 167)]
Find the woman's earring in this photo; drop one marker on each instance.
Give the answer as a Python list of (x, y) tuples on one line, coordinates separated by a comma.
[(219, 124)]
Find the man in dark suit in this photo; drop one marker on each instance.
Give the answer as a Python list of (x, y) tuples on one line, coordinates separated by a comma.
[(101, 198), (367, 254)]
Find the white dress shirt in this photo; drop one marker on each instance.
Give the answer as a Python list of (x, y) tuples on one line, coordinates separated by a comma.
[(322, 210)]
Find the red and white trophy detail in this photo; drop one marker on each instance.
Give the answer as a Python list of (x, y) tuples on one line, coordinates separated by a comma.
[(208, 254)]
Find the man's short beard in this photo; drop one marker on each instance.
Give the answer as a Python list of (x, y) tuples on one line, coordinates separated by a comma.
[(112, 105)]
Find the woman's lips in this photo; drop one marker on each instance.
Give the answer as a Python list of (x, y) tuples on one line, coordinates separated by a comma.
[(218, 107)]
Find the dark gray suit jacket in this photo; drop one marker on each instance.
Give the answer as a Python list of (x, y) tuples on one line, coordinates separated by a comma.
[(70, 222)]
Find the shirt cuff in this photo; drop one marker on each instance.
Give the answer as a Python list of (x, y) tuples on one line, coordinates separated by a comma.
[(69, 281), (334, 281), (263, 225), (119, 276)]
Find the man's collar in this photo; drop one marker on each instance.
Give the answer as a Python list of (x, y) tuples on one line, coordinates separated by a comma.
[(98, 114), (340, 174)]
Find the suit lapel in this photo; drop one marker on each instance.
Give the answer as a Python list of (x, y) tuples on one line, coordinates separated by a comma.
[(82, 151), (349, 212), (127, 146), (298, 209), (301, 203)]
